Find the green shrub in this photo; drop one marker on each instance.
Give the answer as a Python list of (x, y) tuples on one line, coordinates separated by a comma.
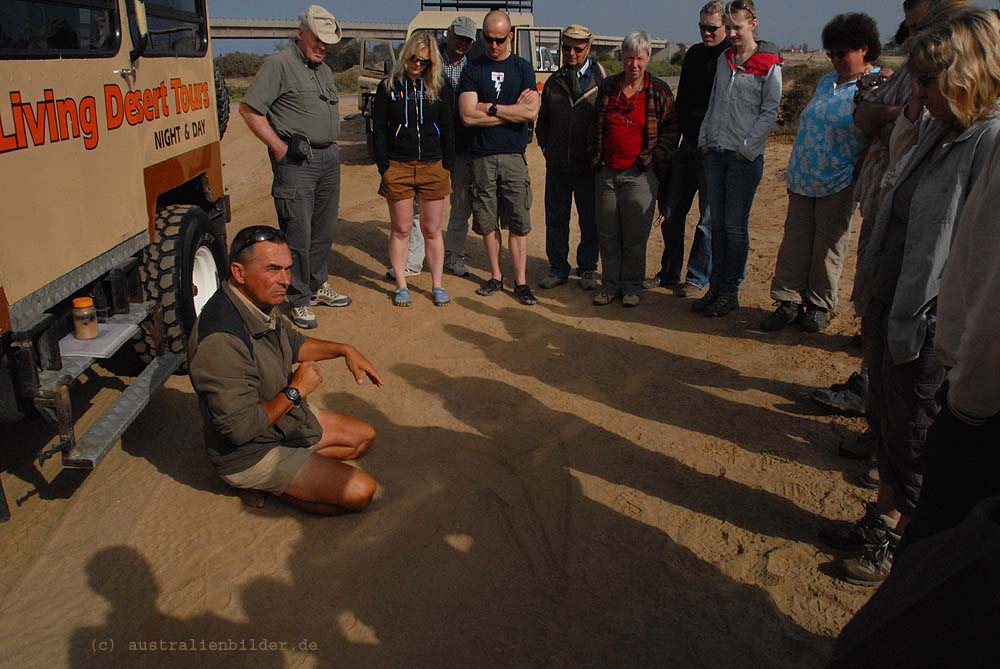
[(238, 64), (347, 81), (798, 85)]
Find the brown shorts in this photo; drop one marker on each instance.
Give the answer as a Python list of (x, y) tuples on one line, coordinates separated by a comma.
[(415, 180)]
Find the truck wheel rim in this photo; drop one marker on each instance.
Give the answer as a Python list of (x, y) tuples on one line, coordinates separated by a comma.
[(204, 277)]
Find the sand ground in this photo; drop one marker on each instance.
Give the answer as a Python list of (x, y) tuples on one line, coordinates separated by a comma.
[(562, 485)]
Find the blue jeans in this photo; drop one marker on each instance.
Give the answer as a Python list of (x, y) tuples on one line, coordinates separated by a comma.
[(561, 186), (687, 177), (732, 183)]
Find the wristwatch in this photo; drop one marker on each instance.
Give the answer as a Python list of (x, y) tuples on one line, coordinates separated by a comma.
[(293, 395), (492, 111)]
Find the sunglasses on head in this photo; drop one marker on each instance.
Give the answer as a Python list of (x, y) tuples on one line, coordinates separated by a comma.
[(739, 4), (495, 40), (836, 53), (261, 234), (417, 60), (574, 48), (706, 28), (926, 80)]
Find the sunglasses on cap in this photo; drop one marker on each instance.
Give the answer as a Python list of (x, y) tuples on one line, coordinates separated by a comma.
[(574, 48), (417, 60), (495, 40), (706, 28), (261, 234)]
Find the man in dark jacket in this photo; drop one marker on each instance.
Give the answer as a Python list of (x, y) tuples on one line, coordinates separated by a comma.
[(565, 122), (687, 175)]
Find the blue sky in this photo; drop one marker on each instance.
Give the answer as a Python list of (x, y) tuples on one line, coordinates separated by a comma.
[(782, 21)]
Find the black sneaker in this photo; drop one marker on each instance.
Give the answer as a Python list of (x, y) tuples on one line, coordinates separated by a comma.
[(722, 305), (847, 399), (705, 300), (785, 313), (523, 294), (815, 319), (845, 536), (874, 565), (489, 287), (860, 447)]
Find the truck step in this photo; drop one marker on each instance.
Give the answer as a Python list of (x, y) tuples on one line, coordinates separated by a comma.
[(98, 440)]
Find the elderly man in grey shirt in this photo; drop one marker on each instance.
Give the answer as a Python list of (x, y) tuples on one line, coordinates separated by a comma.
[(292, 107)]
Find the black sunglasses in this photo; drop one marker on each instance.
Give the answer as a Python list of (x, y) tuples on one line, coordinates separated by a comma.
[(706, 28), (261, 234), (575, 49), (926, 80), (495, 40), (836, 53), (416, 60)]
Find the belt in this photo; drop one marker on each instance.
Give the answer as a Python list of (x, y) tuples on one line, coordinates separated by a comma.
[(320, 147)]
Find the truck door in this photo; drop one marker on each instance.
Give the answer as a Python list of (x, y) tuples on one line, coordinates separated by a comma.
[(540, 47)]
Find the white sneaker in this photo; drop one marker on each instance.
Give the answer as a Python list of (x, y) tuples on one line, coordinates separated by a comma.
[(304, 317), (328, 297), (456, 266), (391, 273)]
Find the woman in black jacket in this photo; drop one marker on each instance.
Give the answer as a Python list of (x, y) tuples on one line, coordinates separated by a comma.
[(415, 152)]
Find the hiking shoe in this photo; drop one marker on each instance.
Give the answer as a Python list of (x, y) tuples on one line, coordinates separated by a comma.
[(603, 299), (846, 536), (489, 287), (870, 479), (847, 399), (391, 273), (328, 297), (686, 290), (631, 300), (786, 312), (815, 319), (589, 281), (304, 317), (523, 293), (456, 266), (550, 281), (722, 305), (651, 282), (874, 565), (705, 300), (859, 447)]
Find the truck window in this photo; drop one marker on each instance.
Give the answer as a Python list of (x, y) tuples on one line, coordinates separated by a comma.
[(176, 27), (58, 28)]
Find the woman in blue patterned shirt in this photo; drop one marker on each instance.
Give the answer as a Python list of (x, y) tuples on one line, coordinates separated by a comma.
[(820, 181)]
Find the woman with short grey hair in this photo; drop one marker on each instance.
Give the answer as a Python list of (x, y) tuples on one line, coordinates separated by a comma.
[(635, 137)]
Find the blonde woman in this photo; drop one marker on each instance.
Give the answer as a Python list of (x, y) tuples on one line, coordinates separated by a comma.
[(415, 152)]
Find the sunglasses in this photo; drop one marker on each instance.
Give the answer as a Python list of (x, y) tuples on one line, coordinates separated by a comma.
[(262, 234), (706, 28), (836, 53), (495, 40), (575, 49), (416, 60), (739, 4), (926, 80)]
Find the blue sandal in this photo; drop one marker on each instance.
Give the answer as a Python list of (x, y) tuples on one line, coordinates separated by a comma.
[(440, 297), (401, 298)]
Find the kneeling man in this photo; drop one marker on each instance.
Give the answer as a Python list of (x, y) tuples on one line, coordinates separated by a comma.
[(260, 430)]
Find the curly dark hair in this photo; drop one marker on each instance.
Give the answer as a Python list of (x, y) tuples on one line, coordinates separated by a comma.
[(853, 31)]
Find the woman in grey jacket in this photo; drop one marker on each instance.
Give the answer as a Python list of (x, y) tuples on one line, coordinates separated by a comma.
[(743, 107), (957, 81)]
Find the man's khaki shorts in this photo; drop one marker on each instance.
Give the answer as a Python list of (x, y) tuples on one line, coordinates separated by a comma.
[(500, 191), (415, 180), (273, 472)]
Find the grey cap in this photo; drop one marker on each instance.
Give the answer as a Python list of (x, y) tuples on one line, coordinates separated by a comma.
[(463, 26)]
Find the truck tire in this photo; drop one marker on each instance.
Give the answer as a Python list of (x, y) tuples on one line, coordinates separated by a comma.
[(184, 266), (222, 102)]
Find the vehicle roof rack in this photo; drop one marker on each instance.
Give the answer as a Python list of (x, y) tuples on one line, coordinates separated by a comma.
[(523, 6)]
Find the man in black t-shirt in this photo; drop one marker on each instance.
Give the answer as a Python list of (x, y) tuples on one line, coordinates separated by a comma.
[(498, 97)]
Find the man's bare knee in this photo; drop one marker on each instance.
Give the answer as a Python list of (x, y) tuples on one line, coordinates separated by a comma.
[(359, 492)]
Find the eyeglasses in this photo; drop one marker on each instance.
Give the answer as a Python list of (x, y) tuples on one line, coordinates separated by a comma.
[(261, 234), (836, 53), (575, 49), (926, 80), (706, 28), (495, 40), (416, 60), (739, 4)]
